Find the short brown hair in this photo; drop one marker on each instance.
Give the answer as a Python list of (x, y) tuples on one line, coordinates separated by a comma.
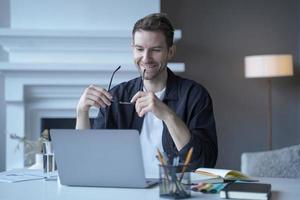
[(156, 22)]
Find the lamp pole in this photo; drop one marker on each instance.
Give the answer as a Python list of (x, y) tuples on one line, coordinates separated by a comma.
[(268, 66), (269, 113)]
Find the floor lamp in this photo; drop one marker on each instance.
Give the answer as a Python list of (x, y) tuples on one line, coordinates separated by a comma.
[(268, 66)]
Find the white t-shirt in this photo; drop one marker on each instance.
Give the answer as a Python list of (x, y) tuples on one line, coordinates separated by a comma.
[(151, 139)]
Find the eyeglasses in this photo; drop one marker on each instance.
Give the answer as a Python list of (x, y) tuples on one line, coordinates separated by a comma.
[(111, 78)]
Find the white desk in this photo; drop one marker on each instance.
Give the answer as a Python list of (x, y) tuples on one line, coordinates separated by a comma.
[(282, 189)]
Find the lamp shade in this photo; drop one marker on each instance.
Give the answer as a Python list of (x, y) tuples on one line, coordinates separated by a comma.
[(259, 66)]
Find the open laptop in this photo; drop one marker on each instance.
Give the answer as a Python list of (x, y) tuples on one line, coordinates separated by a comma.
[(100, 157)]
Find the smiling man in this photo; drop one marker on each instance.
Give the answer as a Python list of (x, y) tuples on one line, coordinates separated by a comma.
[(171, 113)]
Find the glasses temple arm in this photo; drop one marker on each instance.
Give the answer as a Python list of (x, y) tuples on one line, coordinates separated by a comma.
[(112, 76), (143, 77)]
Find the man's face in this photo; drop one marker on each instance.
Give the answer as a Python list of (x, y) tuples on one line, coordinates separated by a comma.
[(150, 52)]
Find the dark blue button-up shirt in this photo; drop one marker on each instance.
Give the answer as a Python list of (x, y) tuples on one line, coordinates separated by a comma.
[(192, 104)]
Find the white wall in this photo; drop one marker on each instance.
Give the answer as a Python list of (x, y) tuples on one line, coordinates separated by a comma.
[(2, 125), (4, 22), (53, 16), (80, 14)]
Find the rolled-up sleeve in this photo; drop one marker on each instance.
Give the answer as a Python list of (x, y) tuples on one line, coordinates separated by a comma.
[(99, 121), (201, 124)]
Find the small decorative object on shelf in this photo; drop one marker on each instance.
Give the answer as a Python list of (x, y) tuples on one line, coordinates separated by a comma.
[(31, 147)]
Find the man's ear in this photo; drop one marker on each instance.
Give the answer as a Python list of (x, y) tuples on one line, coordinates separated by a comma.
[(171, 52)]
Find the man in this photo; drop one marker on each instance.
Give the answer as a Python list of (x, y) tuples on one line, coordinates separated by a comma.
[(171, 113)]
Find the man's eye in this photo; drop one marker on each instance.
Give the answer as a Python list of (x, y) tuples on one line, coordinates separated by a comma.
[(139, 49), (156, 50)]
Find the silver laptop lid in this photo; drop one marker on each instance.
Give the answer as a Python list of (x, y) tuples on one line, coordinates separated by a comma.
[(110, 158)]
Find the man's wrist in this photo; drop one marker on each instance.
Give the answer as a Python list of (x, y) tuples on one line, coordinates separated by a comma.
[(169, 116), (82, 120), (82, 113)]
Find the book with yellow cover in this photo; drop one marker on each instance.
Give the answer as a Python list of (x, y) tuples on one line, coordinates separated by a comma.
[(220, 175)]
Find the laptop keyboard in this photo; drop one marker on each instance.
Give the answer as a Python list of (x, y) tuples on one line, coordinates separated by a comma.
[(151, 180)]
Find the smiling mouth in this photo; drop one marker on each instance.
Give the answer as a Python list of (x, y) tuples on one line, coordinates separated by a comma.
[(148, 66)]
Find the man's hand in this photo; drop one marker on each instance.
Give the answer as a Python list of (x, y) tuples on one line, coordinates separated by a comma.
[(148, 102), (93, 96)]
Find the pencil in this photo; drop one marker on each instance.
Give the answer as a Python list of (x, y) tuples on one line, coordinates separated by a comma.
[(160, 157), (186, 162), (162, 162)]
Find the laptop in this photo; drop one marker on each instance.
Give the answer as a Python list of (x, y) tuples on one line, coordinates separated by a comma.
[(99, 157)]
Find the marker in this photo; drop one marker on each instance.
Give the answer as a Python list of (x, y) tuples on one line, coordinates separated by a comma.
[(206, 188), (217, 188)]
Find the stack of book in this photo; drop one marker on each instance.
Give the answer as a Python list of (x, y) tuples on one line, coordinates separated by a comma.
[(236, 184)]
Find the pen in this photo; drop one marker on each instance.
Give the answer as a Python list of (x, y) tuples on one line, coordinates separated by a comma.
[(186, 162)]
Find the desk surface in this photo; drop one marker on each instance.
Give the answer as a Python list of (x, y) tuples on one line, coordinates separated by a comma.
[(283, 189)]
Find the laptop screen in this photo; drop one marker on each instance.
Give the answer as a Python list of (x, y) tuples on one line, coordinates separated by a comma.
[(99, 157)]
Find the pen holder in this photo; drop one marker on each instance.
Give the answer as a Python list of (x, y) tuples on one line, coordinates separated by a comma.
[(48, 159), (174, 181), (48, 164)]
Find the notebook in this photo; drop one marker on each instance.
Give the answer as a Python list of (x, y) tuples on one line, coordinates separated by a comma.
[(213, 175), (100, 157)]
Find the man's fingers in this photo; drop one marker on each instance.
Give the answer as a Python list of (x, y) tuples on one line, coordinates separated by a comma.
[(95, 101), (99, 96), (144, 110), (93, 96), (92, 103), (143, 106), (144, 102), (100, 90), (137, 96)]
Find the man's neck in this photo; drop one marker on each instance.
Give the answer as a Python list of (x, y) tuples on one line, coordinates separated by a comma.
[(157, 84)]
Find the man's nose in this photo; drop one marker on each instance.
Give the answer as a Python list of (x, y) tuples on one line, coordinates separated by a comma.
[(147, 56)]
